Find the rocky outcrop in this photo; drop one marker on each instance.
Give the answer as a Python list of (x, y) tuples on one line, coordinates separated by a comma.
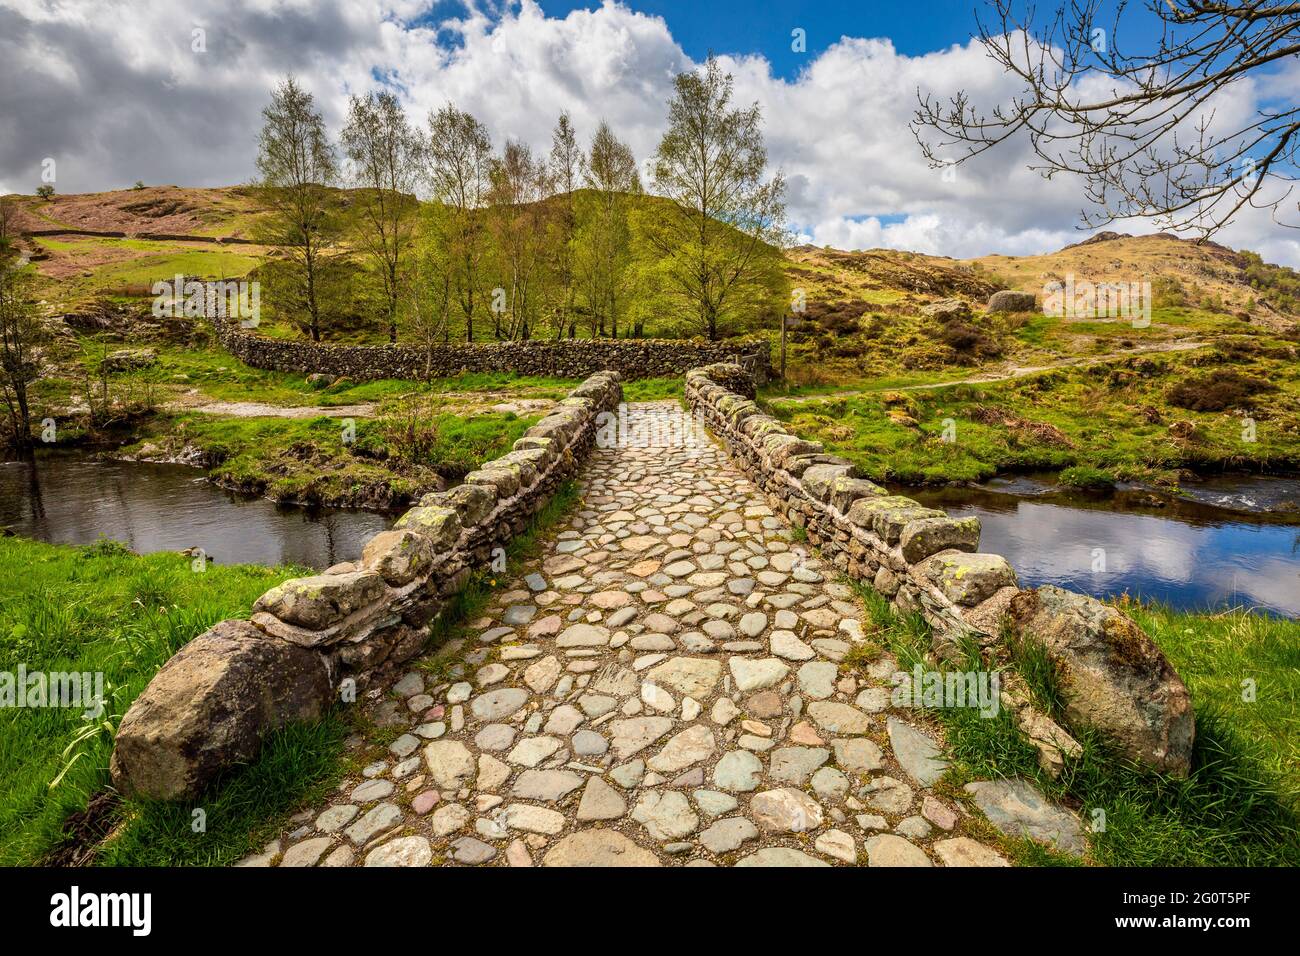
[(1113, 677), (349, 627), (928, 563), (209, 706), (945, 310), (1010, 301)]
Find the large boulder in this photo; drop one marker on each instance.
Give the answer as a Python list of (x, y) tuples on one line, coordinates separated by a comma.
[(946, 310), (1113, 677), (209, 707), (1010, 301), (128, 360)]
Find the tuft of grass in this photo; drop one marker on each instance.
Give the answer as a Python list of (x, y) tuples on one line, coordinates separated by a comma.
[(653, 389), (1236, 808), (1087, 478), (298, 765)]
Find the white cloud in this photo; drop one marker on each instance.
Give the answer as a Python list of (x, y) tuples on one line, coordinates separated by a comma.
[(114, 93)]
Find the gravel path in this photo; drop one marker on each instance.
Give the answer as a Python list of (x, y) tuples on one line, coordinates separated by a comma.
[(662, 686)]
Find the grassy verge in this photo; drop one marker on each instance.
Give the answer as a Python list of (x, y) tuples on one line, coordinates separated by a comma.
[(1238, 806), (381, 462), (1144, 419), (101, 608), (97, 609)]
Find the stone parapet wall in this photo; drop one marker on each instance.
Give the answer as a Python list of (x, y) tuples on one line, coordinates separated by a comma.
[(560, 358), (927, 562), (313, 640)]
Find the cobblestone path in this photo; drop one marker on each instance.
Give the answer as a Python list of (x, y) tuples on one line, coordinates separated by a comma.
[(661, 686)]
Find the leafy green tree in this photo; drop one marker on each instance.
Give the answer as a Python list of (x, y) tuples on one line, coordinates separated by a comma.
[(457, 163), (566, 163), (718, 236), (604, 242), (297, 167), (517, 220), (384, 158), (428, 292)]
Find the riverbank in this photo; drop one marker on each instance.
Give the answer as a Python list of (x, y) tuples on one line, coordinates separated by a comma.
[(381, 464), (1159, 420), (102, 610)]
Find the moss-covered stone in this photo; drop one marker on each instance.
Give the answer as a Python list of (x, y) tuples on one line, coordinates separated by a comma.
[(505, 479), (319, 601), (399, 554), (887, 515), (471, 502), (439, 524), (923, 537), (1116, 678), (967, 579)]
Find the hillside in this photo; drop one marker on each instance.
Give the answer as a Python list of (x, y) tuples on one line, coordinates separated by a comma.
[(149, 232), (1181, 272), (226, 213)]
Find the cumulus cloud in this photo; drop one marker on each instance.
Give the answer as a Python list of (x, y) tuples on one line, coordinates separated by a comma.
[(115, 92)]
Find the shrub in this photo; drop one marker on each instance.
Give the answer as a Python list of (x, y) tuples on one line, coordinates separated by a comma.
[(1217, 392), (967, 342)]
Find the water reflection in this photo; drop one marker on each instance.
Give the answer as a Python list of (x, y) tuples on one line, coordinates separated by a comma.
[(1185, 556), (73, 500)]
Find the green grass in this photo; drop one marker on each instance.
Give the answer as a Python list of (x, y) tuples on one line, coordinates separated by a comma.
[(1222, 657), (1106, 422), (299, 765), (313, 461), (653, 389), (1086, 477), (1238, 806), (96, 609), (164, 265), (101, 608)]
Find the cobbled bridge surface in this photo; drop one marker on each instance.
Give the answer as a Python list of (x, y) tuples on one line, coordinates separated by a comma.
[(663, 684)]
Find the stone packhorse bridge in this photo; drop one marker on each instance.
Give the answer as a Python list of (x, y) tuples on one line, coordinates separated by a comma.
[(664, 684)]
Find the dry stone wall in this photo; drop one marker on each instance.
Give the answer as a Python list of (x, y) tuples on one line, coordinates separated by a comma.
[(563, 358), (309, 639), (1115, 678)]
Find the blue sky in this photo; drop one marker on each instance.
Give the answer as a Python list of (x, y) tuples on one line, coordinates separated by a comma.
[(740, 27)]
